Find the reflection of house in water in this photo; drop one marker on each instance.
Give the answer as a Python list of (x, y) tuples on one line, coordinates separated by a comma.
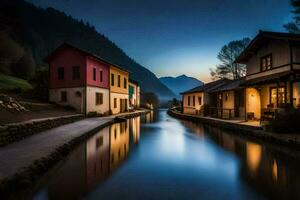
[(134, 124), (195, 127), (149, 117), (270, 170), (92, 162), (119, 135), (97, 157)]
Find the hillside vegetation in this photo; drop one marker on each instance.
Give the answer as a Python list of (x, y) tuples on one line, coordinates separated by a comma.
[(29, 33), (10, 83)]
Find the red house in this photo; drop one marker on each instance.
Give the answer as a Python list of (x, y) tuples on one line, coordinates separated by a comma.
[(78, 79)]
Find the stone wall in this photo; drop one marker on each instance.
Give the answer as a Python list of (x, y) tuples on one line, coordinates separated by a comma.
[(17, 131)]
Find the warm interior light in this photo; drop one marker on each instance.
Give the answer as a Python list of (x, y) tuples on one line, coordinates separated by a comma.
[(253, 155)]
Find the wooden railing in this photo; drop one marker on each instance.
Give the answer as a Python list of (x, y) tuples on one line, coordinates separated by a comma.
[(223, 113)]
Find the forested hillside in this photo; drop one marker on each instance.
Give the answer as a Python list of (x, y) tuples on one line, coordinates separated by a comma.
[(29, 33)]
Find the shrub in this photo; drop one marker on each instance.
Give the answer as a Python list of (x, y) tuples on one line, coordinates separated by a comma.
[(287, 122)]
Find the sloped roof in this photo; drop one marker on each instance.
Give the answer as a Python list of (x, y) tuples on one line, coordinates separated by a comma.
[(231, 85), (261, 38), (207, 87), (83, 51)]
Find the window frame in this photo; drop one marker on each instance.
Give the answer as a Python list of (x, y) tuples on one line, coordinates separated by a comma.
[(265, 58), (112, 79), (101, 75), (98, 98), (63, 96), (94, 74), (75, 73), (125, 83), (60, 73), (119, 80), (115, 103)]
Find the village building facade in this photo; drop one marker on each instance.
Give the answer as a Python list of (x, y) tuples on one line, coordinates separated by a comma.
[(134, 94), (81, 80), (194, 100), (228, 100), (273, 73), (119, 83)]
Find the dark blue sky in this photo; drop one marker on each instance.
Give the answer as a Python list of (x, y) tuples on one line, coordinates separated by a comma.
[(174, 37)]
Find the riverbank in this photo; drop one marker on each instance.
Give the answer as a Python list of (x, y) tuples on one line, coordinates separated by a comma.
[(241, 129), (23, 162)]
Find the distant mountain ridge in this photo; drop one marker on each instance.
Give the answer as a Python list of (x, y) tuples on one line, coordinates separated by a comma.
[(39, 31), (180, 83)]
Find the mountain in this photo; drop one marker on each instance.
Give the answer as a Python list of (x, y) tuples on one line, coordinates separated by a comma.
[(28, 33), (180, 83)]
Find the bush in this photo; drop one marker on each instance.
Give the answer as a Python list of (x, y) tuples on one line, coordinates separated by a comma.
[(287, 122)]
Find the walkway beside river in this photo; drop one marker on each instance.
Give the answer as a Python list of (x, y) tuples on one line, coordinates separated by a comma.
[(18, 156)]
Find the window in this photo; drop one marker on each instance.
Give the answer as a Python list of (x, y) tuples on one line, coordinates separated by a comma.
[(112, 79), (99, 98), (60, 73), (76, 72), (94, 74), (99, 142), (200, 100), (119, 81), (115, 102), (101, 76), (194, 100), (266, 63), (125, 83), (189, 100), (277, 95), (63, 96)]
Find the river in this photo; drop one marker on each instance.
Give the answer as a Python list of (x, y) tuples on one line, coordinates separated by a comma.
[(158, 157)]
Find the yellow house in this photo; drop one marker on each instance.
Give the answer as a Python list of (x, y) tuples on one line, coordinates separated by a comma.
[(119, 143), (273, 73), (118, 89)]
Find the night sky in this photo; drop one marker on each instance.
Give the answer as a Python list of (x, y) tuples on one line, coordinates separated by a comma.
[(174, 37)]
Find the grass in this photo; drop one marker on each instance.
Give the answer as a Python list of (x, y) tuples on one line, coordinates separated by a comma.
[(10, 83)]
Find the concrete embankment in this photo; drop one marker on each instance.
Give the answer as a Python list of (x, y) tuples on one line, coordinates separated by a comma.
[(23, 162), (292, 140)]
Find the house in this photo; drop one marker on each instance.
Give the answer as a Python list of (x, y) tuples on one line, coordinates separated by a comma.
[(272, 82), (228, 100), (193, 100), (119, 79), (78, 79), (134, 94)]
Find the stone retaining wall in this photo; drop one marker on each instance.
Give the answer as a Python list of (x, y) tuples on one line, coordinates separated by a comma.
[(17, 131)]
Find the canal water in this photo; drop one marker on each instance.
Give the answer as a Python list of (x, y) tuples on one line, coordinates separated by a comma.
[(158, 157)]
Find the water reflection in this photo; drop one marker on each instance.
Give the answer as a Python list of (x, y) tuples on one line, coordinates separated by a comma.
[(173, 160), (92, 162), (270, 169)]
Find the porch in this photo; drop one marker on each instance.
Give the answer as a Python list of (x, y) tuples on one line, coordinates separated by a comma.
[(266, 97)]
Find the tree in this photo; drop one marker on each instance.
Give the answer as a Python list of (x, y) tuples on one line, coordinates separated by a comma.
[(149, 98), (227, 55), (294, 26)]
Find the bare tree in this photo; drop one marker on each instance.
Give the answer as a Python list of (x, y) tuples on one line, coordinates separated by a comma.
[(227, 55)]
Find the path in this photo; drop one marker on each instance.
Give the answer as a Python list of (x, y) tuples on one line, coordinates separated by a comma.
[(19, 155)]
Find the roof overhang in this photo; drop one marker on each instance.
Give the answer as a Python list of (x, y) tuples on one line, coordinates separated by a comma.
[(261, 38)]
